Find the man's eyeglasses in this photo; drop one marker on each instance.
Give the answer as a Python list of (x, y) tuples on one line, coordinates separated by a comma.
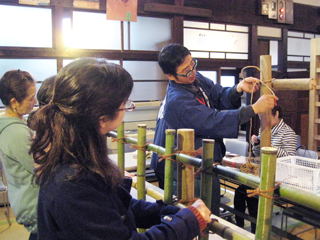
[(128, 106), (189, 73)]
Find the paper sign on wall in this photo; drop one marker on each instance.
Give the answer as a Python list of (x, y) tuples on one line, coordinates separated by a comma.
[(90, 4), (35, 2), (122, 10)]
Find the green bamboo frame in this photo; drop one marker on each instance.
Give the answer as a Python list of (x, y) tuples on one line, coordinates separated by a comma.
[(286, 192)]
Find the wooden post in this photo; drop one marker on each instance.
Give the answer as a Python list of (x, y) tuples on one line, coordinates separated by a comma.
[(120, 147), (169, 167), (265, 118), (265, 207), (314, 96), (185, 142)]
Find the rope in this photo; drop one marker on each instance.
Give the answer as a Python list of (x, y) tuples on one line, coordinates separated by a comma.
[(191, 153), (249, 166), (263, 193), (142, 148), (168, 157), (263, 82), (204, 170), (113, 139)]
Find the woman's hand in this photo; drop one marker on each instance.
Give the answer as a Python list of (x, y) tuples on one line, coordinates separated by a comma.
[(254, 139), (202, 208)]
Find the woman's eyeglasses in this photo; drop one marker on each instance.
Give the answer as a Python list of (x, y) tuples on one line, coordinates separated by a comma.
[(189, 73), (128, 106)]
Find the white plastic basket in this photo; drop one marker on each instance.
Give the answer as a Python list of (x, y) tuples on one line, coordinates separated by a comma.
[(299, 172)]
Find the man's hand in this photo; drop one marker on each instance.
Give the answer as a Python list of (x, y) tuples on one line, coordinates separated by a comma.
[(264, 103), (248, 84)]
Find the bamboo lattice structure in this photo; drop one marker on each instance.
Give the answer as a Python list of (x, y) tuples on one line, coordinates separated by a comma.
[(286, 192)]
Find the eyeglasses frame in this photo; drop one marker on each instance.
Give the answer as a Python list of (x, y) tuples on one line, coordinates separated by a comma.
[(131, 107), (188, 74)]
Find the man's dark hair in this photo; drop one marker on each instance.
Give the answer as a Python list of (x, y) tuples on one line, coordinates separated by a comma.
[(171, 57)]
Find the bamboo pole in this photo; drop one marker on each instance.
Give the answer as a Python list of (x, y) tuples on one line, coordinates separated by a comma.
[(186, 159), (179, 181), (226, 232), (141, 166), (267, 181), (120, 147), (265, 118), (294, 84), (169, 167), (286, 192), (206, 179), (185, 142)]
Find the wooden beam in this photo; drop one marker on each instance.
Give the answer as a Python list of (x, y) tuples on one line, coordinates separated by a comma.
[(294, 84), (44, 53), (172, 9)]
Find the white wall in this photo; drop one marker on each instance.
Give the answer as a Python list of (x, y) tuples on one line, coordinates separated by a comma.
[(308, 2)]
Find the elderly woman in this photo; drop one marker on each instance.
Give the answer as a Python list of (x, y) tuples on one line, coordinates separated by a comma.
[(17, 93)]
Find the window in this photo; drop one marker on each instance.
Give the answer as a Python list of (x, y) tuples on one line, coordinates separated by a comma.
[(25, 27), (94, 31), (148, 34), (299, 45), (218, 41)]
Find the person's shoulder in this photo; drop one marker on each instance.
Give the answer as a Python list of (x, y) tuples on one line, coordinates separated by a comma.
[(64, 180), (11, 125), (177, 94), (204, 81), (285, 125)]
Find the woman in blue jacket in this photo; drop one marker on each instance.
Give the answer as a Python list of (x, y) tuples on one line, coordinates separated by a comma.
[(82, 195)]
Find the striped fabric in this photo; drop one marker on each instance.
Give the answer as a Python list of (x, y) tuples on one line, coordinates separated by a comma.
[(283, 138)]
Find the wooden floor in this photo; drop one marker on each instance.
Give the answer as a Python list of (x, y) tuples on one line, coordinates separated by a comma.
[(13, 232)]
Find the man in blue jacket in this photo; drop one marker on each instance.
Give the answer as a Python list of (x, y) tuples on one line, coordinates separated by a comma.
[(196, 102)]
